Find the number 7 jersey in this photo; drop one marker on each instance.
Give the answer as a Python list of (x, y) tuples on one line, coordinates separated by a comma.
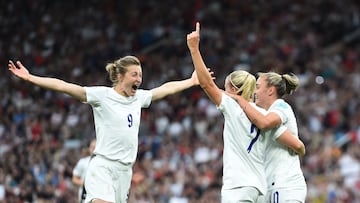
[(244, 148)]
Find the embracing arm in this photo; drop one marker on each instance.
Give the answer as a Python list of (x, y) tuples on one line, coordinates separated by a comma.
[(292, 142), (262, 121), (75, 91), (205, 79)]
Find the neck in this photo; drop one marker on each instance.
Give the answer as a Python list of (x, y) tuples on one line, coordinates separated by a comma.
[(120, 91), (269, 103)]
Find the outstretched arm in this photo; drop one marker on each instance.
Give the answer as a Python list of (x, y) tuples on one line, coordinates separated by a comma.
[(205, 80), (76, 91), (262, 121), (174, 87)]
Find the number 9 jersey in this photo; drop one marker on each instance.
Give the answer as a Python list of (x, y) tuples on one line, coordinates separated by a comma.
[(117, 120)]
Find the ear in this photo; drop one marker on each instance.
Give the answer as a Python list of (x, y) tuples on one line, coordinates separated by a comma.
[(120, 77), (271, 90), (233, 89)]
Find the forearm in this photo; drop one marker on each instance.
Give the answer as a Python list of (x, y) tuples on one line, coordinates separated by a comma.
[(47, 83), (176, 86), (292, 142), (170, 88), (203, 74), (77, 181), (256, 117), (54, 84)]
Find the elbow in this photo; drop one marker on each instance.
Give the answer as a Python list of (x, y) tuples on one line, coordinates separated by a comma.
[(262, 125), (300, 149)]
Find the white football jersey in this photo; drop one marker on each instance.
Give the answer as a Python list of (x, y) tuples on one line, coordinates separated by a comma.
[(117, 120), (282, 165), (244, 148)]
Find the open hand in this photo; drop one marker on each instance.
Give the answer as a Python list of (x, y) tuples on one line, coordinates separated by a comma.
[(196, 80), (19, 70)]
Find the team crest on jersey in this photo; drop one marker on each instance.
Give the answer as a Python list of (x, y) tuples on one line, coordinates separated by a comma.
[(283, 105)]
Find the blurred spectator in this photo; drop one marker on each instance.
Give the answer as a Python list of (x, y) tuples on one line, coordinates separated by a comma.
[(79, 171)]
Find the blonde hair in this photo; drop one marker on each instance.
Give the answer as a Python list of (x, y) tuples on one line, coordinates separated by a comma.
[(244, 82), (120, 67), (284, 84)]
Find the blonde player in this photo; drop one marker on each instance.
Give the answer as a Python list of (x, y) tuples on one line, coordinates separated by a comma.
[(286, 182), (244, 147)]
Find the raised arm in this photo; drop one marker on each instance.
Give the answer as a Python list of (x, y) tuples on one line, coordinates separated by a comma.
[(75, 91), (205, 79), (262, 121)]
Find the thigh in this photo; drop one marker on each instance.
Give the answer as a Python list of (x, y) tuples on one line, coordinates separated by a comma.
[(286, 196), (242, 194), (99, 181), (122, 184)]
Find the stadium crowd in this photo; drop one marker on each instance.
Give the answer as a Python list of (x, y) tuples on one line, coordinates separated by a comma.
[(42, 133)]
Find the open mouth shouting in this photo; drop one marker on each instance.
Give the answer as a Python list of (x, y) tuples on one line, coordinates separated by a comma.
[(135, 87)]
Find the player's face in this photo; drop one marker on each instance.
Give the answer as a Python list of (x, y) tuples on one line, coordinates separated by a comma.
[(131, 81), (261, 92)]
